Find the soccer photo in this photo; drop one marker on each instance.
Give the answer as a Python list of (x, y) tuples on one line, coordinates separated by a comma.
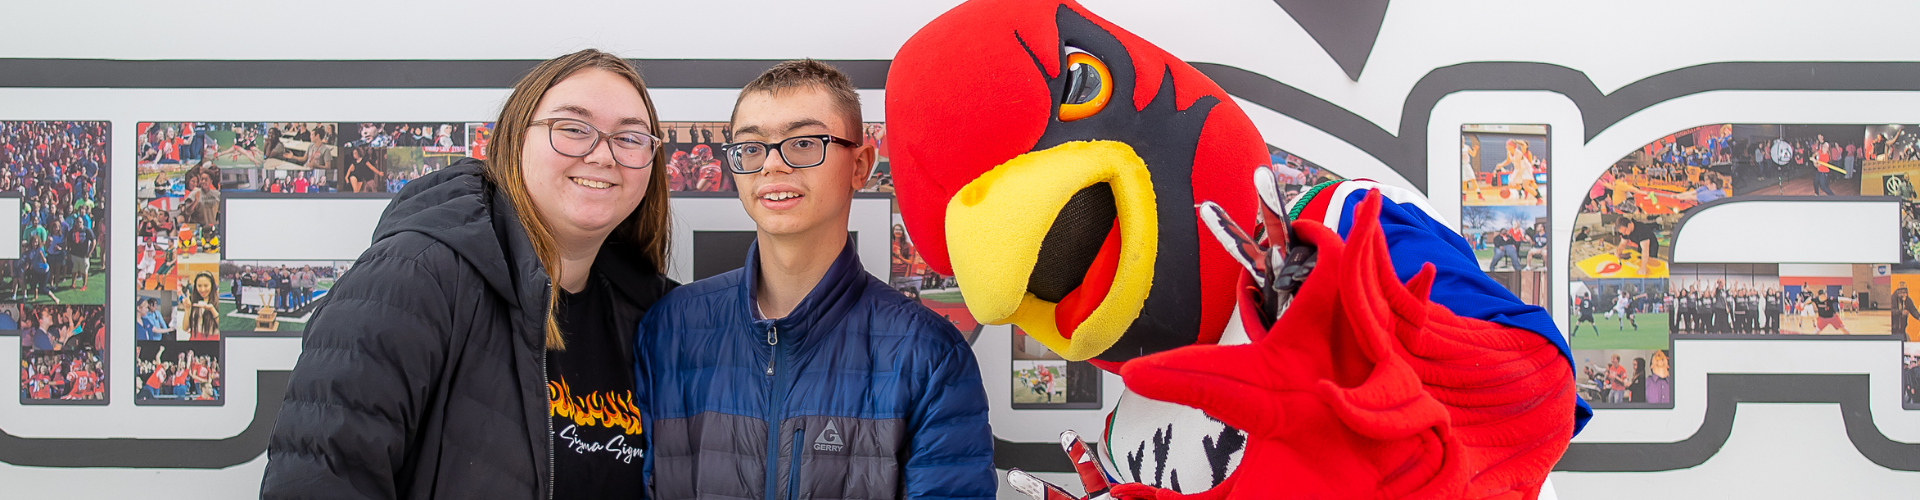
[(1043, 380)]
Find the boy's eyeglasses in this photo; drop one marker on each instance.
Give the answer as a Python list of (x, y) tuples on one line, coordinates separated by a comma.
[(746, 157)]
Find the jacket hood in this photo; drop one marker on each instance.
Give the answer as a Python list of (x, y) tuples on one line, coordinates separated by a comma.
[(460, 208)]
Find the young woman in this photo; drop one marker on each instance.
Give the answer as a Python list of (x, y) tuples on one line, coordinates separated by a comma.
[(202, 316), (277, 149), (482, 347), (363, 170), (1637, 389), (1470, 165)]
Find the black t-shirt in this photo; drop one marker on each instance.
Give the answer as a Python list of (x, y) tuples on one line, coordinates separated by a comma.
[(597, 444), (1827, 306)]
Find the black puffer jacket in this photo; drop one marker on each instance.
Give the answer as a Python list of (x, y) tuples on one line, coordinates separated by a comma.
[(423, 375)]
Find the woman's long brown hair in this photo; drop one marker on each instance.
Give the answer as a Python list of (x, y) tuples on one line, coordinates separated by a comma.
[(646, 228)]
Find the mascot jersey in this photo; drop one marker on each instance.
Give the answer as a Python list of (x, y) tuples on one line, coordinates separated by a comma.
[(1415, 236)]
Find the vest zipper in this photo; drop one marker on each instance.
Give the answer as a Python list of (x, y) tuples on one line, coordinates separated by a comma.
[(793, 470), (773, 340), (773, 410)]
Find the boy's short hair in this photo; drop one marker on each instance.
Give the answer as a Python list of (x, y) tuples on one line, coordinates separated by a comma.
[(804, 73)]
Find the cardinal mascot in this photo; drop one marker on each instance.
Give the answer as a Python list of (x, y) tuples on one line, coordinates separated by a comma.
[(1116, 205)]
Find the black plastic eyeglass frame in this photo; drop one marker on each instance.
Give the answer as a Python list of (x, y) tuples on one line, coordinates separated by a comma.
[(598, 137), (733, 159)]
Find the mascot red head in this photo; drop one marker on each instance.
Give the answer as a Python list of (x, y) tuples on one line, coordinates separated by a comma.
[(1051, 161)]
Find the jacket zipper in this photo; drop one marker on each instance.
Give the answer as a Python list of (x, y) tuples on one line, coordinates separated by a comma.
[(546, 385), (793, 467)]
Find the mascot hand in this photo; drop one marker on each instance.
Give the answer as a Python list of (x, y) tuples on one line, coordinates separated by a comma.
[(1365, 388), (1275, 262), (1093, 478)]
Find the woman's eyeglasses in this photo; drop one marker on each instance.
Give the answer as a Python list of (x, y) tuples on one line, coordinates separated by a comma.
[(576, 139)]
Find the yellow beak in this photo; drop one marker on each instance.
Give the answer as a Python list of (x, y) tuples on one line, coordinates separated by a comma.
[(995, 225)]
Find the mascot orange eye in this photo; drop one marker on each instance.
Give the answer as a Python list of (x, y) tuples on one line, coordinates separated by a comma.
[(1089, 86)]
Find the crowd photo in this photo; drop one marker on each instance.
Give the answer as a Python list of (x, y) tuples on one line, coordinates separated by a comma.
[(62, 352), (174, 372), (55, 169), (1667, 176), (62, 376)]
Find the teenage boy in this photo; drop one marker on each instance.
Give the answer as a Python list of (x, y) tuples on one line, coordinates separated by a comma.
[(800, 375)]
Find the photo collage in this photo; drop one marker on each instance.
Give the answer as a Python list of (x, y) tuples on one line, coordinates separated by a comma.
[(296, 157), (1889, 161), (1503, 204), (187, 296), (57, 290), (181, 170), (1629, 299)]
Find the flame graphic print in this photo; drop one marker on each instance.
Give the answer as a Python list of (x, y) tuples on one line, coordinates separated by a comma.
[(599, 408)]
